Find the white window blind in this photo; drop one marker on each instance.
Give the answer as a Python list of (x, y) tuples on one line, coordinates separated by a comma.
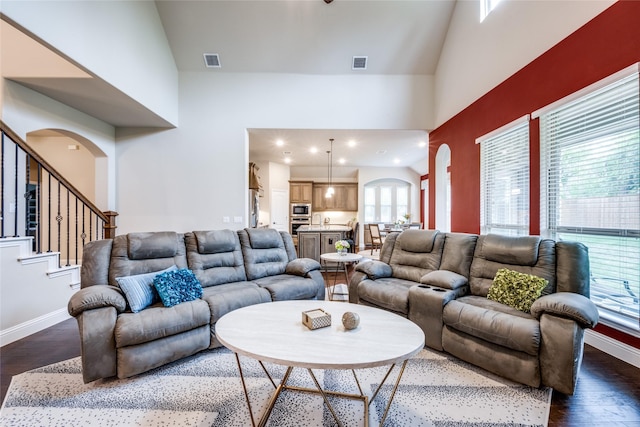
[(590, 190), (504, 181)]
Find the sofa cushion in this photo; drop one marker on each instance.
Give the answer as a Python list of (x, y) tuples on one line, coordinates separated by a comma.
[(521, 250), (264, 238), (421, 241), (515, 289), (216, 241), (178, 286), (444, 279), (158, 322), (224, 298), (457, 253), (283, 287), (162, 244), (215, 257), (121, 264), (139, 290), (391, 294), (264, 252), (493, 322)]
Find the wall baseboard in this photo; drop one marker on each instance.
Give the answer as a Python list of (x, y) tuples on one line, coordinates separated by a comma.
[(32, 326), (617, 349)]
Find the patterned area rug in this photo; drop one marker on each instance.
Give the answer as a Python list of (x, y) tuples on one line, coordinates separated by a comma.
[(205, 390)]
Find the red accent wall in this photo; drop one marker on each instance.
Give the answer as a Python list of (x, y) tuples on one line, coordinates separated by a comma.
[(603, 46), (608, 43)]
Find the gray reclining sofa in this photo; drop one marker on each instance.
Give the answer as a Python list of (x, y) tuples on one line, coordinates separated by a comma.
[(234, 268), (441, 282)]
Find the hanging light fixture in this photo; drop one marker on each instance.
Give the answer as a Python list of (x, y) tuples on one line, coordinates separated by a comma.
[(330, 190)]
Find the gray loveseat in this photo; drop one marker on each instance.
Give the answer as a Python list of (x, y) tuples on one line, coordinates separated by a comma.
[(441, 281), (235, 269)]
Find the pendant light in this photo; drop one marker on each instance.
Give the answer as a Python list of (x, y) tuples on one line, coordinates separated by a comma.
[(330, 190)]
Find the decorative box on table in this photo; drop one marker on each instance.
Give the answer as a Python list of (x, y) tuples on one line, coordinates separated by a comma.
[(317, 318)]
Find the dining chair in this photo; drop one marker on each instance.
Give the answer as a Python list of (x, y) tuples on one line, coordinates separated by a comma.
[(376, 238)]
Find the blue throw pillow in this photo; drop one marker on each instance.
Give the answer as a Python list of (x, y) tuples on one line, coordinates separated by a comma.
[(139, 290), (177, 286)]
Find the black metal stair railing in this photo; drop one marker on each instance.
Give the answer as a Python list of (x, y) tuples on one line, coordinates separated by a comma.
[(37, 201)]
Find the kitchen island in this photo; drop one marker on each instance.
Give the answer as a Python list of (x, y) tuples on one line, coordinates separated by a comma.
[(315, 240)]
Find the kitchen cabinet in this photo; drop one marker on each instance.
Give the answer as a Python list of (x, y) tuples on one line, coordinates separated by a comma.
[(345, 197), (314, 241), (309, 245), (300, 192)]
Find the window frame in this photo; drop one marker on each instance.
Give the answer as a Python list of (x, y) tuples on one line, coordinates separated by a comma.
[(510, 137), (608, 244), (394, 185)]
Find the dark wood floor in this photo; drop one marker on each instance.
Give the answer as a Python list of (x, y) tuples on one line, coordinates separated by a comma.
[(608, 391)]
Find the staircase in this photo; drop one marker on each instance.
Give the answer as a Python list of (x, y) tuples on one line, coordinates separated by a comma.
[(44, 224), (34, 290)]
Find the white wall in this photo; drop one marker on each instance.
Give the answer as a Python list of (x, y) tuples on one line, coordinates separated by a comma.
[(476, 56), (100, 35), (27, 111), (77, 166), (191, 177)]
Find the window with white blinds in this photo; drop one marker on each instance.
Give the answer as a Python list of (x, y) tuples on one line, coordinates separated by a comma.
[(590, 190), (504, 181)]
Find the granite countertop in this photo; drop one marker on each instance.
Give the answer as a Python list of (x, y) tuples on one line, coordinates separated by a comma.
[(327, 227)]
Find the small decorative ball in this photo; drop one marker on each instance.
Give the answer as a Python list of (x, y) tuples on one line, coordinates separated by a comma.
[(350, 320)]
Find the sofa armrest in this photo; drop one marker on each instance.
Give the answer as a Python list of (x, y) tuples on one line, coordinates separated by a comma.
[(302, 266), (569, 305), (445, 279), (96, 296), (374, 269)]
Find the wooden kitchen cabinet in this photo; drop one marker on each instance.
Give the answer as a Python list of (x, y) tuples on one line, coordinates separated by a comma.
[(300, 192), (309, 245), (345, 197)]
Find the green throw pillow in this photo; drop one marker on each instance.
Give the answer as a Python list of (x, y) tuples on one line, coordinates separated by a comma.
[(517, 290)]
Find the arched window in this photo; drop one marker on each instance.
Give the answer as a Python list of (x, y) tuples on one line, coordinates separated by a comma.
[(386, 200)]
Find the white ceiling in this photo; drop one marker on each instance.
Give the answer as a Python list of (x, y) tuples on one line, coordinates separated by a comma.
[(351, 148), (308, 36), (273, 36)]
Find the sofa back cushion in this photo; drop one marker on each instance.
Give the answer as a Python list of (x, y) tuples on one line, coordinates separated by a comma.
[(96, 256), (215, 257), (264, 252), (458, 251), (527, 254), (415, 253), (139, 253)]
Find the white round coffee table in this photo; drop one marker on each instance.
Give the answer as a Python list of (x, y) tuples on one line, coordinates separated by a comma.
[(273, 332)]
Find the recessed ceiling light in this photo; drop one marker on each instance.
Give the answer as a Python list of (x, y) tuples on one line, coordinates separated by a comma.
[(396, 160), (351, 143), (422, 144), (279, 143), (342, 161), (287, 160), (313, 150)]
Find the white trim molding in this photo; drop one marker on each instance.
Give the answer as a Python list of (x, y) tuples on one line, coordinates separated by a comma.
[(503, 128), (32, 326), (615, 348)]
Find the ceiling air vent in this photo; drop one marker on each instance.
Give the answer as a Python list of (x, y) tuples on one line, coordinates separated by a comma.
[(212, 60), (359, 63)]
